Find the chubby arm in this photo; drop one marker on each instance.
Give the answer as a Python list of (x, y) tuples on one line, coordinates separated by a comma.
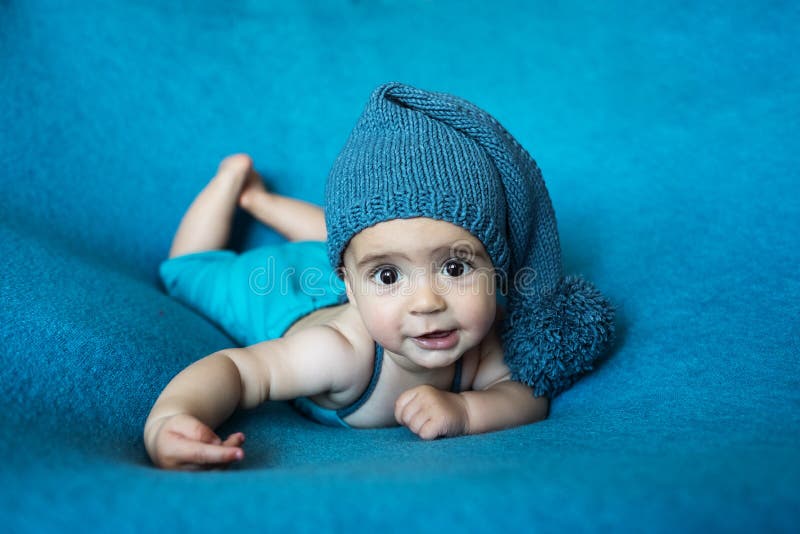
[(497, 402), (504, 405), (179, 432)]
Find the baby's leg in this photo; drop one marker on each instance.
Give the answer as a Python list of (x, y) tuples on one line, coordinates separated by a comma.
[(294, 219), (207, 223)]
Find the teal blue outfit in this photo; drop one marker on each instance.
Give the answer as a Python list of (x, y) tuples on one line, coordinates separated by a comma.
[(259, 294), (256, 295)]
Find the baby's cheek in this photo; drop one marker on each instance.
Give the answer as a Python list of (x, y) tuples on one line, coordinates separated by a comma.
[(381, 325), (479, 314)]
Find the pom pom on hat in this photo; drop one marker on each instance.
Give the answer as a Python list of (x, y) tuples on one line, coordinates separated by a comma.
[(552, 341), (416, 153)]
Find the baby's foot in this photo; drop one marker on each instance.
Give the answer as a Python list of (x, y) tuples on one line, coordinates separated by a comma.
[(253, 191), (234, 170)]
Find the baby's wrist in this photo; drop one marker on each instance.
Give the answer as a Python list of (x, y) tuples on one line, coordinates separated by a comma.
[(465, 412), (153, 426)]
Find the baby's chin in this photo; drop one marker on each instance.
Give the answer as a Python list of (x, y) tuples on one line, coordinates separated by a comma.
[(433, 359)]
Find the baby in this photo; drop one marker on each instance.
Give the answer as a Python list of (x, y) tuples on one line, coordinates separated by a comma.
[(383, 310)]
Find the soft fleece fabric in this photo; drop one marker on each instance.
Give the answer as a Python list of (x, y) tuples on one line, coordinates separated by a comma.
[(668, 138)]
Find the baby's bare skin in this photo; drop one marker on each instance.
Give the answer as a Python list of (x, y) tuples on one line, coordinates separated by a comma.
[(426, 306)]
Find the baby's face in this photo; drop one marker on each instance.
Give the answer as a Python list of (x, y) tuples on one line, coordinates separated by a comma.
[(425, 289)]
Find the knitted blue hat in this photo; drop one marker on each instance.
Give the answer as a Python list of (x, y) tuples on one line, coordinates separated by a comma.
[(416, 153)]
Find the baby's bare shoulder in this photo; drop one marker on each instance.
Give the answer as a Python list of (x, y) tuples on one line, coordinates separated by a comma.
[(339, 337), (351, 326), (342, 322)]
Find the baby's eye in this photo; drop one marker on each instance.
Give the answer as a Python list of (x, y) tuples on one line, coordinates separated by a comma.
[(386, 275), (456, 268)]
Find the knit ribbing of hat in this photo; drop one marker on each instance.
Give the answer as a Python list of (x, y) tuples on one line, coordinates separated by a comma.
[(532, 232)]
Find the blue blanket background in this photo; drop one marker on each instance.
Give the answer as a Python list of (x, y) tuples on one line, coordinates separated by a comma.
[(668, 137)]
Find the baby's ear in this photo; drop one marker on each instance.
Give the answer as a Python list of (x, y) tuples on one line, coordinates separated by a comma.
[(348, 284)]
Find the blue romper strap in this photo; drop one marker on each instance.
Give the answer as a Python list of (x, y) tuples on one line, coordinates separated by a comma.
[(456, 387), (376, 373)]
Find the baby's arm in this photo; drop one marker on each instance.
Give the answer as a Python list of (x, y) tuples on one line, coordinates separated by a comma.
[(178, 433), (505, 404), (495, 402)]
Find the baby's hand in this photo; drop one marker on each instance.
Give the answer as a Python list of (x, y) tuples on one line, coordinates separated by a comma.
[(183, 442), (430, 412)]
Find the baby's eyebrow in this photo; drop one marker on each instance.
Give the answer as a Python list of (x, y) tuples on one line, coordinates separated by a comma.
[(461, 250), (378, 257)]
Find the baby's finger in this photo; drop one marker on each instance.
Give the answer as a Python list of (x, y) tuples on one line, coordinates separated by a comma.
[(410, 412), (402, 403), (194, 430), (234, 440), (429, 430), (188, 453), (418, 420)]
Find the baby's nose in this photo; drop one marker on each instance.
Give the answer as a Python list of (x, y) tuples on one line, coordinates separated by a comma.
[(426, 298)]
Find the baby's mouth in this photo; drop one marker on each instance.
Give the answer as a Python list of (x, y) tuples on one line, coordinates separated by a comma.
[(436, 334), (437, 340)]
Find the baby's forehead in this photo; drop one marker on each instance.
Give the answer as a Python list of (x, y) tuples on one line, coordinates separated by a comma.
[(419, 235)]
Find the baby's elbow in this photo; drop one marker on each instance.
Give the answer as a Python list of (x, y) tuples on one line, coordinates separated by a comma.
[(540, 409), (254, 393), (253, 379), (535, 408)]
